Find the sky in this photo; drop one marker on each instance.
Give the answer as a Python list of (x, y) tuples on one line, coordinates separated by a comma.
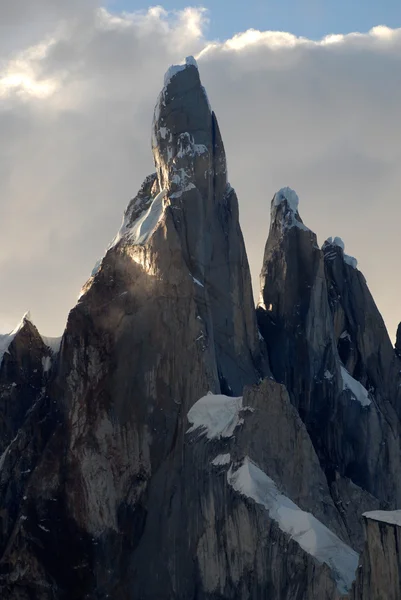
[(77, 92), (309, 18)]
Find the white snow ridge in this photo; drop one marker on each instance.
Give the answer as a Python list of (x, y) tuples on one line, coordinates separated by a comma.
[(144, 225), (357, 390), (221, 459), (216, 415), (313, 537)]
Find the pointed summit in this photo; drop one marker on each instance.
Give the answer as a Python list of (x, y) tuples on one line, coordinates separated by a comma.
[(186, 142), (336, 247), (284, 210)]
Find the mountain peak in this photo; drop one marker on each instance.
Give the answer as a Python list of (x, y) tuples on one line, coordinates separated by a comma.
[(335, 246), (288, 195), (284, 210), (184, 131), (190, 61)]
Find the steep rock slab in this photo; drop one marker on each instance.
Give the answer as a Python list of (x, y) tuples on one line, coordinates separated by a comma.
[(191, 165), (275, 438)]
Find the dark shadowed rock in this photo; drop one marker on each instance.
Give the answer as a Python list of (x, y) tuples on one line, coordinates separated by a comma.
[(25, 363), (398, 341)]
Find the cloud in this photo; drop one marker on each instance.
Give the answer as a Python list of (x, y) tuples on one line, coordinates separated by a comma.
[(76, 103)]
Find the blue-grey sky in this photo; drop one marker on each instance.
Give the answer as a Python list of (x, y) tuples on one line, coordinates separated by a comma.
[(310, 18)]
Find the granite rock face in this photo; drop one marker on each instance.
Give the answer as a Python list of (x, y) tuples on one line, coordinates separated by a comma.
[(171, 450)]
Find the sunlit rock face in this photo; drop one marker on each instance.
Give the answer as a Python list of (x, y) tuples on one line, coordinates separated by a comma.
[(170, 449)]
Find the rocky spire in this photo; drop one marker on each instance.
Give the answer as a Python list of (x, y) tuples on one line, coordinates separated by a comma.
[(293, 291), (328, 344), (186, 142), (25, 363)]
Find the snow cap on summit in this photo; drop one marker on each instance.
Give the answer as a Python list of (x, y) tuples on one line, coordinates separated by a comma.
[(190, 61), (285, 203), (337, 241), (286, 193)]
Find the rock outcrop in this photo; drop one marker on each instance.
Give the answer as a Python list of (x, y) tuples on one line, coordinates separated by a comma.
[(379, 573), (169, 449)]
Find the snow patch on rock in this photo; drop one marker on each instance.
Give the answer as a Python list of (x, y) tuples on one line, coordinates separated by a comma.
[(221, 459), (313, 537), (46, 363), (286, 193), (145, 225), (97, 266), (357, 390), (142, 228), (174, 69), (351, 261), (216, 415), (197, 281), (392, 517), (337, 241)]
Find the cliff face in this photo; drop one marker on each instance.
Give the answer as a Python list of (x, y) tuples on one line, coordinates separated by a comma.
[(379, 574), (169, 449)]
